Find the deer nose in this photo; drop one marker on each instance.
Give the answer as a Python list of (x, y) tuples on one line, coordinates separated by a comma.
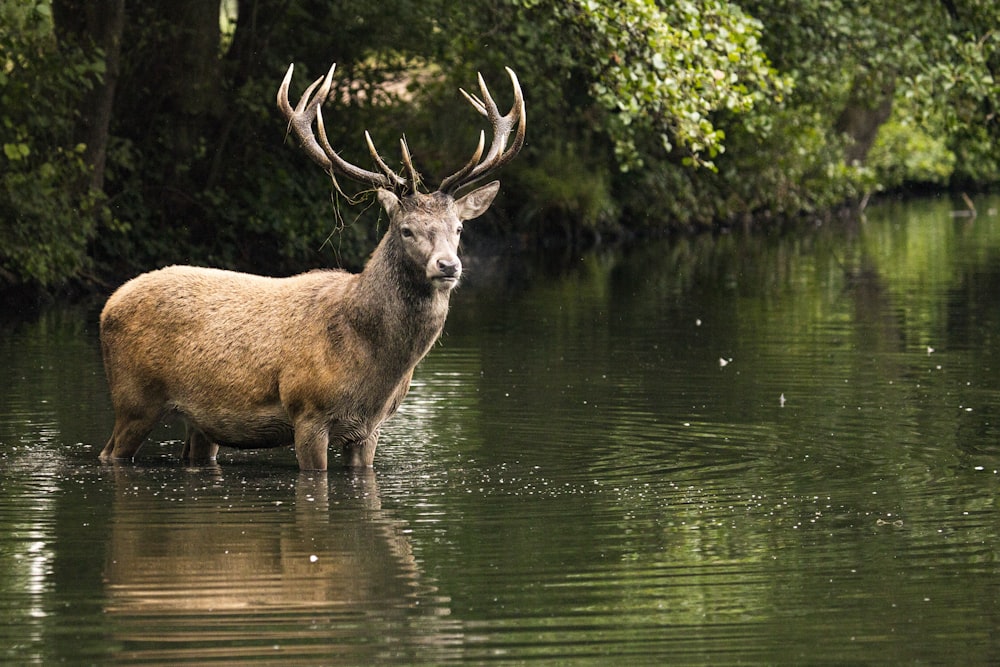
[(449, 268)]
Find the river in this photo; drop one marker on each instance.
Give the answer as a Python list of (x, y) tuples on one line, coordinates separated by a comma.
[(741, 448)]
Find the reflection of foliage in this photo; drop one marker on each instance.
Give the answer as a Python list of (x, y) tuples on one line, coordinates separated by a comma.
[(794, 312), (578, 477)]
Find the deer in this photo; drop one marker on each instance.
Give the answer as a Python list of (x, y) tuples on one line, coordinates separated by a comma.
[(319, 360)]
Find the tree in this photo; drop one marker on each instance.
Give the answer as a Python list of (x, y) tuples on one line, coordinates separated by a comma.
[(140, 134), (48, 208), (934, 62), (622, 88), (204, 176), (637, 68), (95, 30)]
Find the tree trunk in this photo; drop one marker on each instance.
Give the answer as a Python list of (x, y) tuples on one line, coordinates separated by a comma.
[(179, 50), (94, 26), (171, 104), (255, 23), (868, 106), (245, 59)]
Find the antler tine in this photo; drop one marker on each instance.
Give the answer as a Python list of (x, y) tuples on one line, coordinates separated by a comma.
[(454, 181), (398, 181), (300, 123), (317, 145), (499, 138), (475, 101), (499, 153), (408, 163)]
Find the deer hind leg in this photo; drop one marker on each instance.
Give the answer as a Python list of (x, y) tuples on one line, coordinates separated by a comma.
[(131, 429), (197, 445), (138, 407)]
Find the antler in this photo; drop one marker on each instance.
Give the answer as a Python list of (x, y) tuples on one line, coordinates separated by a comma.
[(317, 145), (499, 154)]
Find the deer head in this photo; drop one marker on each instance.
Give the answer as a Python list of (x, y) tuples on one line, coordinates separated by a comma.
[(426, 226)]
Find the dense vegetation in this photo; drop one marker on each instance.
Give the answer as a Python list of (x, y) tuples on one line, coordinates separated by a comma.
[(138, 134)]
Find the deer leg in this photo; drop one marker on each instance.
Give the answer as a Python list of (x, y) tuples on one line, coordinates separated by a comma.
[(311, 441), (131, 428), (197, 446), (361, 453)]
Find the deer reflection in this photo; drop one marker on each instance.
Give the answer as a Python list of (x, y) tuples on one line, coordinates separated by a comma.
[(208, 556)]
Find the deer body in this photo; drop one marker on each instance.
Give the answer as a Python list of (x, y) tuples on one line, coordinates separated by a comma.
[(316, 360), (320, 359)]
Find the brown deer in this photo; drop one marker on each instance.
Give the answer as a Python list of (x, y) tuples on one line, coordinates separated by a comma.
[(316, 360)]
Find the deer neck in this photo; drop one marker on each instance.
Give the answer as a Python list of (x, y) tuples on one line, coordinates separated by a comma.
[(397, 310)]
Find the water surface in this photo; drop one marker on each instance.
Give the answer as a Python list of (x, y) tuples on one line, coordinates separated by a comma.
[(739, 449)]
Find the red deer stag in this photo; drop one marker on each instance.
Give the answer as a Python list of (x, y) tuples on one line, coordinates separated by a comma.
[(316, 360)]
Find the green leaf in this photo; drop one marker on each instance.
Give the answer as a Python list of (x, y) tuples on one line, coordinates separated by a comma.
[(15, 152)]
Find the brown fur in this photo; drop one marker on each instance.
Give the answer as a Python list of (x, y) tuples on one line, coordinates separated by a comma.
[(315, 360)]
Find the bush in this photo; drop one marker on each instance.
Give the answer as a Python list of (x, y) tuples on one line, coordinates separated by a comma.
[(904, 154)]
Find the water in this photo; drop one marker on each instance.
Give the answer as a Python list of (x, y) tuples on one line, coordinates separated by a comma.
[(730, 450)]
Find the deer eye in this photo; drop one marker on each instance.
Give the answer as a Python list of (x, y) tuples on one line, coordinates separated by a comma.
[(406, 232)]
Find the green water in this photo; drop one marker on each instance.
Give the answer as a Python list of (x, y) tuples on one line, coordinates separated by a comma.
[(741, 449)]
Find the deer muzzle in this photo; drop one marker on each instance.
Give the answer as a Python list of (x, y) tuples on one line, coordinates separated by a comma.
[(445, 271)]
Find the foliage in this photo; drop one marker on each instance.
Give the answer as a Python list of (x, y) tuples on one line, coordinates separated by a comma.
[(939, 60), (796, 169), (626, 100), (626, 97), (666, 70), (47, 217), (564, 192), (904, 153), (633, 69), (225, 186)]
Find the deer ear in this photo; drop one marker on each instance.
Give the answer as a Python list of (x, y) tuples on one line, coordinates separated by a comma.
[(389, 201), (476, 202)]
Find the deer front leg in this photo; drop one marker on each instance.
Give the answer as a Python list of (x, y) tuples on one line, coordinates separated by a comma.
[(312, 438), (361, 453)]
